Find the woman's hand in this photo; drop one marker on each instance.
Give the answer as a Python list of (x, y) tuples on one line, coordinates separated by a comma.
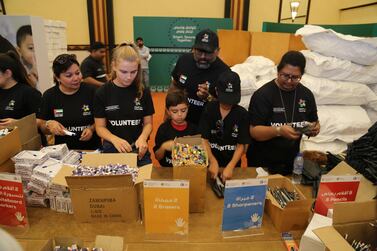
[(87, 134), (142, 145), (121, 145), (55, 127), (7, 121)]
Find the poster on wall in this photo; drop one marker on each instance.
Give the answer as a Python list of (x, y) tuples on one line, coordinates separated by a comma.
[(168, 38), (25, 36)]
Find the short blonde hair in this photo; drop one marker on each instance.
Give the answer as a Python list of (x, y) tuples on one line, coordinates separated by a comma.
[(128, 52)]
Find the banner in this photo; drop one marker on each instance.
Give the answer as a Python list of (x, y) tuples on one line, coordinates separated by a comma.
[(12, 201), (166, 207), (168, 38), (335, 189), (243, 204)]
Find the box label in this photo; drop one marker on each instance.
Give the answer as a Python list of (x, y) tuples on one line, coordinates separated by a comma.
[(243, 204), (12, 201), (335, 189), (166, 205)]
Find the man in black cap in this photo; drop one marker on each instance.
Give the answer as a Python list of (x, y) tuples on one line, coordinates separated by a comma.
[(92, 68), (197, 72), (224, 126)]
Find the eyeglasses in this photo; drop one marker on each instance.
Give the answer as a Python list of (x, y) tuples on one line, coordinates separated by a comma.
[(293, 78), (199, 53), (64, 58), (219, 128)]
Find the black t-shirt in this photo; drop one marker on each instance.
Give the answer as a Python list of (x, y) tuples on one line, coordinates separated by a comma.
[(19, 101), (167, 132), (224, 135), (188, 76), (123, 111), (74, 112), (91, 67), (266, 108)]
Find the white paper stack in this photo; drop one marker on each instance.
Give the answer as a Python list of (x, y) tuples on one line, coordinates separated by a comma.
[(56, 151), (72, 158)]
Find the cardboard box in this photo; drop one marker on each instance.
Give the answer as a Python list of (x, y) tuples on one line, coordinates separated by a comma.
[(107, 198), (366, 191), (355, 225), (295, 215), (28, 132), (196, 174), (10, 145)]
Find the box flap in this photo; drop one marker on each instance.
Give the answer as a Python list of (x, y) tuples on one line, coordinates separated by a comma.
[(94, 182), (28, 127), (10, 145), (332, 239), (145, 172), (109, 243), (59, 178), (190, 140), (344, 212), (98, 159), (366, 189)]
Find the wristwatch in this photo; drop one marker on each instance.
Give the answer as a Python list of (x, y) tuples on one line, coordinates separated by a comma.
[(278, 129)]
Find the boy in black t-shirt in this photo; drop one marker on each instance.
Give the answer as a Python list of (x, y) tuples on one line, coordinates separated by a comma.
[(225, 126), (175, 126)]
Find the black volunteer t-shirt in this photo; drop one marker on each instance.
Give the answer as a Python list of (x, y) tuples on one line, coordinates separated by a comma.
[(19, 101), (224, 135), (188, 76), (167, 132), (91, 67), (74, 112), (266, 108), (123, 111)]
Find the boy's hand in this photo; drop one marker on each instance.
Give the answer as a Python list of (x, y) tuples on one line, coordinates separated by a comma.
[(168, 145), (121, 145)]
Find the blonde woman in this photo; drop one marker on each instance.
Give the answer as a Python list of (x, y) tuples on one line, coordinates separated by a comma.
[(123, 108)]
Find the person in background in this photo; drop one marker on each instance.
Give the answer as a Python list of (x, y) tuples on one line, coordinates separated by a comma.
[(197, 72), (17, 97), (124, 107), (176, 126), (224, 126), (25, 47), (145, 56), (279, 112), (67, 108), (92, 67)]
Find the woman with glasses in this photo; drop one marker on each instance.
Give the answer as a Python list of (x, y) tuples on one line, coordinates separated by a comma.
[(224, 126), (124, 108), (280, 112), (17, 97), (67, 108)]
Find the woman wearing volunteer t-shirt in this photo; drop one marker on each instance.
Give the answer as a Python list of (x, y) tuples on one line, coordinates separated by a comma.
[(123, 108), (67, 108)]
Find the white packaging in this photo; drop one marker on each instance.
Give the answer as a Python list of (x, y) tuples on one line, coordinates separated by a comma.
[(48, 169), (40, 180), (30, 158), (52, 202), (36, 188), (24, 167), (53, 192), (310, 241), (56, 151), (61, 204), (72, 158)]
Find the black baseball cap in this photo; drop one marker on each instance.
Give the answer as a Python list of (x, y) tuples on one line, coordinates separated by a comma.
[(229, 88), (206, 40)]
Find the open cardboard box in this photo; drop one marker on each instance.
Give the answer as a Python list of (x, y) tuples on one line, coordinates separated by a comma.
[(295, 215), (107, 198), (196, 174), (346, 220), (10, 145), (107, 243), (28, 132)]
